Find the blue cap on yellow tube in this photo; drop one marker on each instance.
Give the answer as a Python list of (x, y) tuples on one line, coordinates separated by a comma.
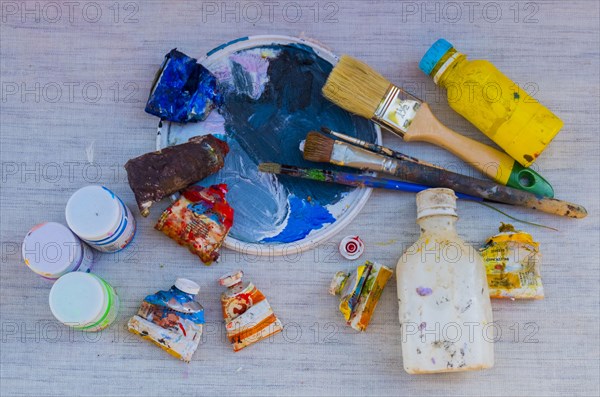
[(433, 55)]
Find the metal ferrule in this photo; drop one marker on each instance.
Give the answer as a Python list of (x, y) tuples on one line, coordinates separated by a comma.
[(396, 110), (344, 154)]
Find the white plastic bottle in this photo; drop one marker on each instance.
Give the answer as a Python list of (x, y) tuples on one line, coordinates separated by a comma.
[(445, 309)]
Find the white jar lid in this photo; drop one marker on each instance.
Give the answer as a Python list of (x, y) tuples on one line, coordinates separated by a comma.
[(187, 286), (51, 249), (93, 212), (78, 299), (436, 201)]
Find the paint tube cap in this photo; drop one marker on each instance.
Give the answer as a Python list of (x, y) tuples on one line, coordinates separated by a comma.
[(187, 286), (337, 283), (433, 55), (231, 279), (437, 201), (351, 247)]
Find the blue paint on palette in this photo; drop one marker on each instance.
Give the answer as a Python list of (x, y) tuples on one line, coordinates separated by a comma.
[(304, 217), (271, 100)]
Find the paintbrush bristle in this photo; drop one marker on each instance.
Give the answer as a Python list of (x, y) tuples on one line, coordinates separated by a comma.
[(318, 147), (271, 168), (355, 86)]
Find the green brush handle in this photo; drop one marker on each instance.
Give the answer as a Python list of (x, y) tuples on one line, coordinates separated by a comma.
[(527, 179), (497, 165)]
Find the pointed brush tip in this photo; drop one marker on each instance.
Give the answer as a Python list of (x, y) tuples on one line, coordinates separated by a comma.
[(326, 130)]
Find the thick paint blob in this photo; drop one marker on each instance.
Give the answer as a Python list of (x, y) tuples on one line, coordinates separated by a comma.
[(303, 218)]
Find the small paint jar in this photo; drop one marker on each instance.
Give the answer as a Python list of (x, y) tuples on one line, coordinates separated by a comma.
[(84, 302), (99, 217), (51, 250)]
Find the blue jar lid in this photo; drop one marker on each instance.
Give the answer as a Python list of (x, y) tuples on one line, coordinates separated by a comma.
[(433, 55)]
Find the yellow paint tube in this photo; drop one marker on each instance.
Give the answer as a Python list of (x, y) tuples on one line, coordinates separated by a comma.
[(512, 261), (495, 104), (359, 292)]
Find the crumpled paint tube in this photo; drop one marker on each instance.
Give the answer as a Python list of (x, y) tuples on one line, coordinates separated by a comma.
[(171, 319), (200, 220), (183, 90), (359, 292), (155, 175), (248, 315), (512, 260)]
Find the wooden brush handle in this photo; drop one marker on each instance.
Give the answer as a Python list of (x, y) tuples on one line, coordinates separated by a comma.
[(436, 177), (558, 207), (425, 127)]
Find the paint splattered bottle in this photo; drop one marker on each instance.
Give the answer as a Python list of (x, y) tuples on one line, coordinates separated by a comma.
[(444, 303), (495, 104)]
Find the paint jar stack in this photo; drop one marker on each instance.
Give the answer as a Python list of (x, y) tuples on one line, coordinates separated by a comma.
[(98, 220)]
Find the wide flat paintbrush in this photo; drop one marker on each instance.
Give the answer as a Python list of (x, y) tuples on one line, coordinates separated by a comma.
[(348, 179), (356, 87), (320, 148)]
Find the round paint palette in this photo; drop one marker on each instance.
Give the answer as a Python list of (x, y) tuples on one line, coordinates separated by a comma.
[(272, 99)]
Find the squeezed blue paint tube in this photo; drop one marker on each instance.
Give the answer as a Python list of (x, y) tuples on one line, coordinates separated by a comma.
[(183, 90)]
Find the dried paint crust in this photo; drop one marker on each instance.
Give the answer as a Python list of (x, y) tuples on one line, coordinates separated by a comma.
[(199, 220), (156, 175)]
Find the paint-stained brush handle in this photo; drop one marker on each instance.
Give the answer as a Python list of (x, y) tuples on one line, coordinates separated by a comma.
[(319, 148), (499, 166), (485, 189), (349, 179)]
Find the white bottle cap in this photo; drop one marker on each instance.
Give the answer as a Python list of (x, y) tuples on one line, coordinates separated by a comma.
[(437, 201), (93, 212), (78, 299), (187, 286), (231, 279), (51, 250)]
